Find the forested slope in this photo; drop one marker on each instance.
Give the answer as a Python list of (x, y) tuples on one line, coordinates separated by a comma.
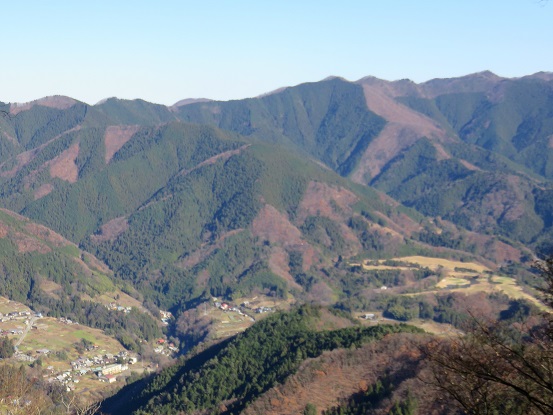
[(227, 377)]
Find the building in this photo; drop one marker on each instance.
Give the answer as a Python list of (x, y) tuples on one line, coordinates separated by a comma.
[(111, 369), (111, 378)]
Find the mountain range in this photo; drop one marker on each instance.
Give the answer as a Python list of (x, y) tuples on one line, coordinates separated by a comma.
[(283, 195)]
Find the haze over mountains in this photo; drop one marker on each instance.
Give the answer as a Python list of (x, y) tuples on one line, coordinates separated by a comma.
[(280, 195)]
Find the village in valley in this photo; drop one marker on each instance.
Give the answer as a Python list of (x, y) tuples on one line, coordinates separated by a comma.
[(86, 359), (78, 357)]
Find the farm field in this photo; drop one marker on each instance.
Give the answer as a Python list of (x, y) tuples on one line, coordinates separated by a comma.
[(431, 263), (229, 323), (55, 335), (457, 276)]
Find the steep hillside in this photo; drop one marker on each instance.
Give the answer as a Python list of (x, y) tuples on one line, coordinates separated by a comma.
[(184, 211), (377, 377), (227, 377), (435, 146), (328, 120), (493, 177), (33, 254)]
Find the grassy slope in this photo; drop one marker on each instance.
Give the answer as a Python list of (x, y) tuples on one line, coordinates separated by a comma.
[(52, 275)]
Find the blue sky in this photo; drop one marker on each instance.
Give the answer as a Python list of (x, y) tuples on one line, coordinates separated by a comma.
[(165, 51)]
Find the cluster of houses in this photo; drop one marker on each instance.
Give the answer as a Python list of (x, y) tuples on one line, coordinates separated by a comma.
[(260, 310), (227, 307), (66, 378), (240, 310), (67, 321), (17, 315), (12, 331), (165, 348), (165, 317), (117, 307), (106, 367), (14, 314)]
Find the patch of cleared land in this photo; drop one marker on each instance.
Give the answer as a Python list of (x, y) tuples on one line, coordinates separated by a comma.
[(119, 297), (7, 306), (451, 281), (433, 327), (435, 263), (56, 336), (229, 323), (506, 285), (460, 277)]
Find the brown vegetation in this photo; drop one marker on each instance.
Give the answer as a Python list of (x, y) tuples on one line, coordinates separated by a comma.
[(111, 230), (405, 127), (331, 379), (43, 190), (10, 137), (115, 137), (46, 234), (26, 157), (64, 167), (499, 367), (3, 230), (320, 199), (26, 243), (493, 249), (273, 226), (279, 265), (95, 263)]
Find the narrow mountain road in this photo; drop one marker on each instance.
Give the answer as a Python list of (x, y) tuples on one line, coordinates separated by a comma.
[(27, 328)]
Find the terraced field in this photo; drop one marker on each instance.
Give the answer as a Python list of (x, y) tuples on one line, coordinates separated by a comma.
[(457, 276)]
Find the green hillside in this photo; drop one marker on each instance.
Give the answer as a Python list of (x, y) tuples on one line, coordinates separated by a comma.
[(240, 370), (53, 276), (183, 211), (328, 120), (499, 125), (413, 202), (494, 124)]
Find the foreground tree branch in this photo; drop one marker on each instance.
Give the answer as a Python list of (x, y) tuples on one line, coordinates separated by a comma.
[(497, 368)]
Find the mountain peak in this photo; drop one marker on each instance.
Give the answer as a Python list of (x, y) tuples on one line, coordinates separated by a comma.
[(543, 75), (188, 101), (55, 101), (476, 82), (333, 77)]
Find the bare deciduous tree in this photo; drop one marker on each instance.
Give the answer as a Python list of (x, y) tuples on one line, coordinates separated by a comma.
[(498, 368)]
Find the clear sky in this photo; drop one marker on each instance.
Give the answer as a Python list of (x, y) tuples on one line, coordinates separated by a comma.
[(163, 51)]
